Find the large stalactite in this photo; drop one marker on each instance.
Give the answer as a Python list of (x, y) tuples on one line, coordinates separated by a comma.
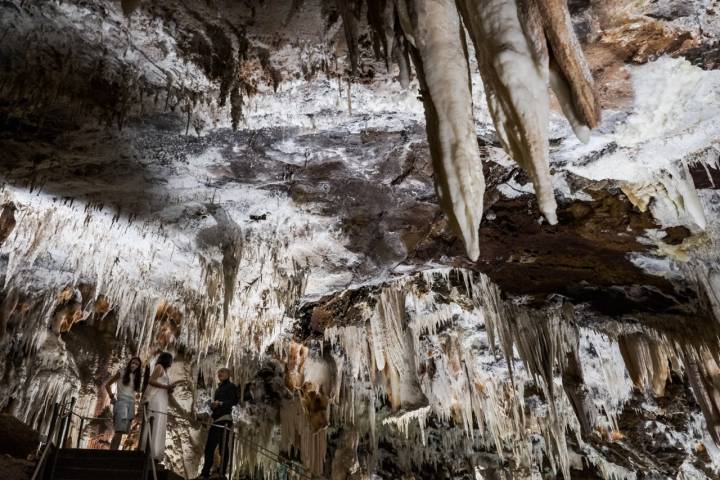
[(522, 49)]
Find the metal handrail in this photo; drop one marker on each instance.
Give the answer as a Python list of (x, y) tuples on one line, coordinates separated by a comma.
[(64, 414), (40, 467), (297, 468), (65, 429), (61, 418), (149, 421)]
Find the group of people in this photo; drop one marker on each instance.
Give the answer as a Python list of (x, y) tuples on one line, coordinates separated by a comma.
[(155, 390)]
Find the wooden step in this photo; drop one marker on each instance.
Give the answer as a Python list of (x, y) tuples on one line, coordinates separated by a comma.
[(67, 472), (88, 464), (100, 462), (93, 464), (91, 453)]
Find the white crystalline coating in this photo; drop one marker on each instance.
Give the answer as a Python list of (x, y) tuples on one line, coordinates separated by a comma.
[(438, 38), (671, 196), (516, 86), (352, 339), (675, 108), (402, 422), (674, 118), (608, 470), (681, 193), (691, 201), (605, 376), (315, 106), (689, 472)]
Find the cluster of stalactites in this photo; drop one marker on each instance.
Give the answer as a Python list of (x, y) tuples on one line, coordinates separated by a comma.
[(651, 361), (409, 333), (585, 377), (522, 47), (55, 279)]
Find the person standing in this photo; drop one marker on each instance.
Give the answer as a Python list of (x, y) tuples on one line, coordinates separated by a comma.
[(127, 387), (225, 398), (157, 389)]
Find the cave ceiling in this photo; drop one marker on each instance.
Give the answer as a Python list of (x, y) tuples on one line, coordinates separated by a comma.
[(131, 111)]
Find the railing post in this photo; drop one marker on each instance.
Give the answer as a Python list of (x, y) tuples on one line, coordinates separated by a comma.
[(149, 450), (145, 467), (39, 472), (66, 424), (80, 431), (141, 442), (59, 428), (151, 422), (232, 454), (53, 419)]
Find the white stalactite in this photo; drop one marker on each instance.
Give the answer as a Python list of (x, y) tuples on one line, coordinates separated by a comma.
[(516, 86), (438, 37)]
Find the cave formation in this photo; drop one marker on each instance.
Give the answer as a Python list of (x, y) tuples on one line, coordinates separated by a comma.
[(430, 239)]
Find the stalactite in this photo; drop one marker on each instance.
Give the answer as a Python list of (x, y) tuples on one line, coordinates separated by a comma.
[(704, 376), (381, 20), (402, 422), (349, 11), (7, 221), (437, 36), (646, 361), (571, 66), (296, 432), (400, 53), (515, 81), (576, 390), (230, 264)]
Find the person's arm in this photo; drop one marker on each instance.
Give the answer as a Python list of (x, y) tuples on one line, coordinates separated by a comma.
[(216, 402), (158, 372), (112, 380)]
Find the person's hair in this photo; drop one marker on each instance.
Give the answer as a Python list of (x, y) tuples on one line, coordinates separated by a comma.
[(165, 359), (135, 374), (226, 370)]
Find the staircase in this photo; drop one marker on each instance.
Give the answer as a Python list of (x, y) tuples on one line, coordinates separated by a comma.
[(86, 464), (90, 464)]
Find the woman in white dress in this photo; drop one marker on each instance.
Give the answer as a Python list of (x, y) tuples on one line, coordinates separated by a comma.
[(156, 396), (127, 385)]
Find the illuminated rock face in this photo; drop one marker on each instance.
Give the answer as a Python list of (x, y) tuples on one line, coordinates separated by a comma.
[(294, 189)]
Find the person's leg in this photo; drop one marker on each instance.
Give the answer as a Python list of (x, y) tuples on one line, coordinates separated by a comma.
[(210, 445), (225, 447), (115, 442)]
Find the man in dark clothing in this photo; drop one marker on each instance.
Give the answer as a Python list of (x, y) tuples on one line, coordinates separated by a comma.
[(224, 399)]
